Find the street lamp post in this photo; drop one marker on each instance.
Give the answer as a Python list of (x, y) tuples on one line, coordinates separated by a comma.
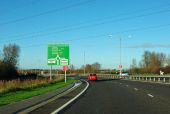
[(120, 56), (84, 64), (120, 65)]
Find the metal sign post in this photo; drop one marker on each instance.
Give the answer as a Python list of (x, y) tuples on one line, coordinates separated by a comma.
[(65, 68), (51, 73), (65, 77), (120, 67)]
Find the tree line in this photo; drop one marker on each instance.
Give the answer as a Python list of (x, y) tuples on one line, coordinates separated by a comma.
[(88, 68), (91, 68), (151, 62)]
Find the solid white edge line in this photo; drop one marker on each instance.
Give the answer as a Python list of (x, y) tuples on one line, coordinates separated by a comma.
[(150, 95), (69, 102), (50, 100)]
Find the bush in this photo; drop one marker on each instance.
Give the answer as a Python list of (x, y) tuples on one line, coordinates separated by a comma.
[(7, 71)]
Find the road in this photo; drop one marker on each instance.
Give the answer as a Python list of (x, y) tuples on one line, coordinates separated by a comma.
[(122, 97)]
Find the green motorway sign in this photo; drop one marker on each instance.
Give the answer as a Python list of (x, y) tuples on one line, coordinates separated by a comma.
[(58, 54)]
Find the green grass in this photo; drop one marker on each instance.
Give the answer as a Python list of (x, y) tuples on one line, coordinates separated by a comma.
[(15, 96)]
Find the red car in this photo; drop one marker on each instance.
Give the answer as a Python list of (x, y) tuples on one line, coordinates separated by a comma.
[(92, 77)]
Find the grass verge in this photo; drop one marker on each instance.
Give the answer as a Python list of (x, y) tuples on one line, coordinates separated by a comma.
[(15, 96)]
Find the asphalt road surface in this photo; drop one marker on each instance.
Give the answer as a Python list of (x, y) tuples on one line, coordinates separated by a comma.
[(122, 97)]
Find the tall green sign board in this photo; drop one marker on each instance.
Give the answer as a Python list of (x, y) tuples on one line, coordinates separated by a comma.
[(58, 54)]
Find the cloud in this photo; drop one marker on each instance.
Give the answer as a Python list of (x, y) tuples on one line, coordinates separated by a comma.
[(148, 45)]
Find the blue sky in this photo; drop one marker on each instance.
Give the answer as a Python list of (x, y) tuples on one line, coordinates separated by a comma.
[(90, 26)]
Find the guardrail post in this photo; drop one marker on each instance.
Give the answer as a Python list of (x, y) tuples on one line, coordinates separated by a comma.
[(169, 80), (158, 79), (150, 79), (146, 79), (154, 79), (164, 79)]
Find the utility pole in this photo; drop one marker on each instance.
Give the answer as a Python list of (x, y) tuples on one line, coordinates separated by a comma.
[(84, 64)]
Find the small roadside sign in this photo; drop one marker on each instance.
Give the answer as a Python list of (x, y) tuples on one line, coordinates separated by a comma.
[(120, 66), (65, 68)]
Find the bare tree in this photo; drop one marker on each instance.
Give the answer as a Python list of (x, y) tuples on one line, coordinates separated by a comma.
[(96, 66), (72, 67), (134, 63), (161, 59), (92, 68), (168, 60), (152, 62), (88, 68), (1, 56), (11, 53), (157, 60), (153, 59), (146, 59)]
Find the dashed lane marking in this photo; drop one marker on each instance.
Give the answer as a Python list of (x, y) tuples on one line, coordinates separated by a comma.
[(150, 95), (136, 89)]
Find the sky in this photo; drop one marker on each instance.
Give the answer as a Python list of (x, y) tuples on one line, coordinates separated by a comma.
[(93, 27)]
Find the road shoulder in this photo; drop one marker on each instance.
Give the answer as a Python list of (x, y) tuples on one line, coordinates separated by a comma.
[(34, 102)]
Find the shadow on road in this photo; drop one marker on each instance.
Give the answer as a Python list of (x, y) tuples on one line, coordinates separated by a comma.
[(102, 80)]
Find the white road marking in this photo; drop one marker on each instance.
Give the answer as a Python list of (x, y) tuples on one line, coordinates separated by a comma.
[(136, 89), (150, 95), (66, 104), (76, 84), (127, 85)]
